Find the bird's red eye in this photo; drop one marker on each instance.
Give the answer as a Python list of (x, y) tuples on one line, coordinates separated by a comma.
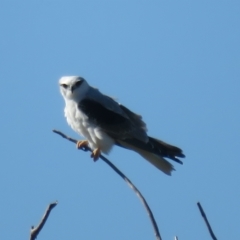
[(64, 85)]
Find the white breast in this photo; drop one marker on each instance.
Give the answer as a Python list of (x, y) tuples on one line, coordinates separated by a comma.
[(80, 123)]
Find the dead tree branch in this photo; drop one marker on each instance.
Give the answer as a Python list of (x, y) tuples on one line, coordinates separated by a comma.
[(138, 193), (36, 230), (206, 221)]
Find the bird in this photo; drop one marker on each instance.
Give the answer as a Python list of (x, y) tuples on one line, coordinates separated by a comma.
[(104, 122)]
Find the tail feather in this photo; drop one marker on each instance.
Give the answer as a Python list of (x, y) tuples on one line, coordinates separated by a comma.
[(155, 152), (167, 150), (157, 161), (154, 159)]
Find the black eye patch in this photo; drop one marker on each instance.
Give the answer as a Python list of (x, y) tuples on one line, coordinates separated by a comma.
[(64, 85), (78, 83)]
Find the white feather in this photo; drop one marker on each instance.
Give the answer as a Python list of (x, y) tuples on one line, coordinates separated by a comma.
[(78, 121)]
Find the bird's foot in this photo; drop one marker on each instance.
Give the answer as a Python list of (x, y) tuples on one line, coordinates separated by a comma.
[(82, 143), (95, 154)]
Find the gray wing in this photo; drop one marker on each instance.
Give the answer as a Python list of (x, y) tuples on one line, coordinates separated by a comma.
[(128, 130), (114, 119), (106, 101)]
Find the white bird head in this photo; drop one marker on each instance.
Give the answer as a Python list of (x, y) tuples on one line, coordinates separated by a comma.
[(73, 87)]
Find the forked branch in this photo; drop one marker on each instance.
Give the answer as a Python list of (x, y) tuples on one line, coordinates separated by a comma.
[(36, 230), (150, 214)]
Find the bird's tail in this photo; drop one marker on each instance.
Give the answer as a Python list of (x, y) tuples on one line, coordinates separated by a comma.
[(155, 152), (157, 161)]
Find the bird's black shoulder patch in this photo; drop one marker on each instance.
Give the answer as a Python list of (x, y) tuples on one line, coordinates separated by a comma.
[(99, 114)]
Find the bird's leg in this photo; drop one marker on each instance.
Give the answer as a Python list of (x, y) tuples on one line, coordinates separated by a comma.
[(82, 143), (95, 154)]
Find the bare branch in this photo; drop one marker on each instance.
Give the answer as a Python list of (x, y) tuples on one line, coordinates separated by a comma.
[(36, 230), (138, 193), (206, 221)]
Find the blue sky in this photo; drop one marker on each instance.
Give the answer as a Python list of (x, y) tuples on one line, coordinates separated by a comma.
[(176, 63)]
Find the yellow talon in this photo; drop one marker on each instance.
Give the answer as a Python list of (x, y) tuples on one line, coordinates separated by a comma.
[(82, 143), (95, 154)]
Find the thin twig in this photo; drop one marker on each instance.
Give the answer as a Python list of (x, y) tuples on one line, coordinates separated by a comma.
[(36, 230), (206, 221), (150, 214)]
